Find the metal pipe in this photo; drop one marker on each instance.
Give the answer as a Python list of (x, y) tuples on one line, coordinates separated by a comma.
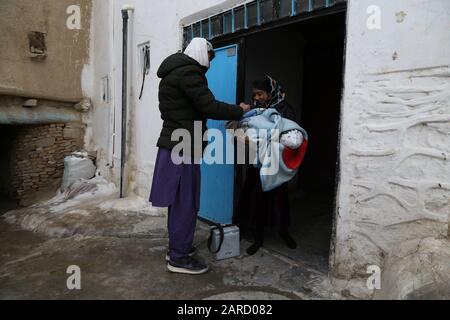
[(124, 97)]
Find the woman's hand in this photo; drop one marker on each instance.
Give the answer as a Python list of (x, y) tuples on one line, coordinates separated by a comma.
[(245, 107), (231, 125)]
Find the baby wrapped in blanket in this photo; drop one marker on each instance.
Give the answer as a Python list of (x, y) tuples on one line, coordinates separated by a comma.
[(280, 145)]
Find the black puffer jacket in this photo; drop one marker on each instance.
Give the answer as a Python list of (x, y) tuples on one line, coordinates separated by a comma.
[(184, 97)]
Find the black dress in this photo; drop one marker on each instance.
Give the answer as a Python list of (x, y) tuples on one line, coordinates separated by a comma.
[(257, 209)]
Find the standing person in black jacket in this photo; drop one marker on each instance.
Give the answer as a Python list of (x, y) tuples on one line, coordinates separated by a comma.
[(184, 98)]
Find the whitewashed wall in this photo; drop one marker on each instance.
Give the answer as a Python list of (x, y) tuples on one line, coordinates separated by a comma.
[(99, 130), (393, 199)]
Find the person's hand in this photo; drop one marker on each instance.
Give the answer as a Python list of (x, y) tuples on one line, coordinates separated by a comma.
[(231, 125), (245, 107)]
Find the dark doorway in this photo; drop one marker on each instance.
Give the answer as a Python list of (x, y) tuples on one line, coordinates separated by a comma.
[(306, 58), (8, 134)]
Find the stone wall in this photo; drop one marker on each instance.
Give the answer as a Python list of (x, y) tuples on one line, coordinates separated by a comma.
[(37, 156)]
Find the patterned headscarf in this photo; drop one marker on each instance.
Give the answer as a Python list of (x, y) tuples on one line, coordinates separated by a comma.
[(273, 89)]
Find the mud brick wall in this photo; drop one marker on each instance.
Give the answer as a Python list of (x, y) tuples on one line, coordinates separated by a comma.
[(37, 156)]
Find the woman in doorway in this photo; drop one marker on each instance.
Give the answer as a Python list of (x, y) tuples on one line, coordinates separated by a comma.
[(256, 209), (184, 98)]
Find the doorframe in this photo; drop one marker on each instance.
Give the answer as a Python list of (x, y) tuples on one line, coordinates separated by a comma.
[(240, 38), (223, 40)]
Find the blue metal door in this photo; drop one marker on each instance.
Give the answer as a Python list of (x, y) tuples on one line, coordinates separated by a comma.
[(217, 183)]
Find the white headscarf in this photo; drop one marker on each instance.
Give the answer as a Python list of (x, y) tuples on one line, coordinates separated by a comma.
[(198, 50)]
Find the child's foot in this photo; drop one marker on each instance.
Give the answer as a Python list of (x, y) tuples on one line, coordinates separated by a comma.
[(288, 240), (254, 248)]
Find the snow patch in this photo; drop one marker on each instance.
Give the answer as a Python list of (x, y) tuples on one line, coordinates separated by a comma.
[(132, 204), (100, 190)]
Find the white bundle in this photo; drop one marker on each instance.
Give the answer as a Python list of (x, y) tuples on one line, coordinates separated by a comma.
[(292, 139)]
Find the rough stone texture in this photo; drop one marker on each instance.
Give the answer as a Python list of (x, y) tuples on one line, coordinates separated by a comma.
[(418, 268), (394, 193), (73, 131), (45, 142), (37, 158), (30, 103), (84, 105), (12, 112), (399, 166), (59, 76)]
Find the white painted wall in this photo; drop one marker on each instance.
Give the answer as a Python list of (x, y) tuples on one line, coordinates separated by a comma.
[(147, 23), (395, 144), (100, 120)]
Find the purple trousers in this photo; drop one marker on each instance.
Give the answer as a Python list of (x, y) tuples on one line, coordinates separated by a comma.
[(177, 186)]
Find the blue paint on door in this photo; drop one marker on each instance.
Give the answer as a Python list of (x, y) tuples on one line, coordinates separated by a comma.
[(217, 183)]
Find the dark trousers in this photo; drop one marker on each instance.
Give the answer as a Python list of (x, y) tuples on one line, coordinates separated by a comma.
[(257, 209), (177, 186)]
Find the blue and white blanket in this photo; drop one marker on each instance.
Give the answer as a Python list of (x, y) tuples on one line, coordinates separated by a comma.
[(278, 163)]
